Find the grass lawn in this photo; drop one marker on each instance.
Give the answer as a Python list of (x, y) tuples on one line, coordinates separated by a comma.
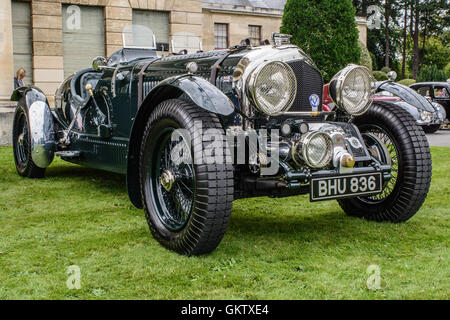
[(273, 249)]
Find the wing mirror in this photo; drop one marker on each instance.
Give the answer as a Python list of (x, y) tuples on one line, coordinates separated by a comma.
[(99, 63)]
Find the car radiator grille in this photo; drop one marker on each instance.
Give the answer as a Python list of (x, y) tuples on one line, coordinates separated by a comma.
[(309, 81)]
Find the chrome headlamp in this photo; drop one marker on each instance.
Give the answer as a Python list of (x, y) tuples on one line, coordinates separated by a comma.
[(272, 87), (351, 89), (315, 149), (425, 116), (441, 114)]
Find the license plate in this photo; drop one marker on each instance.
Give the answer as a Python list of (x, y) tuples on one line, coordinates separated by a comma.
[(345, 186)]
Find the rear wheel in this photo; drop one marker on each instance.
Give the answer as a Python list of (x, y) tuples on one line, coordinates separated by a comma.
[(393, 136), (187, 202), (22, 146)]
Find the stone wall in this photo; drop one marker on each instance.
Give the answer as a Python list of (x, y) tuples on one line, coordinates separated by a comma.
[(46, 22), (6, 51), (6, 120), (238, 22), (361, 23)]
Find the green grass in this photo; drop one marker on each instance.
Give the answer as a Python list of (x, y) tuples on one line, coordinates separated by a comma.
[(273, 249)]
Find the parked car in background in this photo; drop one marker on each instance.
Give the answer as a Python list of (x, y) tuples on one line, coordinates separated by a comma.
[(438, 92), (429, 115)]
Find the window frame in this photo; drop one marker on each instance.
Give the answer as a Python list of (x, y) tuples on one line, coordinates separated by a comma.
[(259, 33), (227, 35)]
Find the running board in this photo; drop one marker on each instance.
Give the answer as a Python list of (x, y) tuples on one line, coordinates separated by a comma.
[(68, 154)]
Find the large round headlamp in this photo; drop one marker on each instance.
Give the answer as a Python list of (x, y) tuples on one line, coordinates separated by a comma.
[(351, 89), (272, 87), (315, 149)]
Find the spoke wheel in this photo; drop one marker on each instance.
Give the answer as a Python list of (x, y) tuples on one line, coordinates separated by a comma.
[(393, 137), (173, 181), (187, 202), (22, 141), (383, 146), (22, 146)]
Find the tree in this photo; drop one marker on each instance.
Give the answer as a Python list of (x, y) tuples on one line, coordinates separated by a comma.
[(366, 58), (326, 30), (436, 53), (387, 13), (414, 30), (405, 5), (376, 43)]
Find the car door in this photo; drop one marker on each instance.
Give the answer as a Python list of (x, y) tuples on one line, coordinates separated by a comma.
[(425, 90), (441, 95)]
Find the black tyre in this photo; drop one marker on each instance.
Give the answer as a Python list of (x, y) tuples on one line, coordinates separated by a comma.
[(431, 128), (187, 203), (396, 132), (22, 146)]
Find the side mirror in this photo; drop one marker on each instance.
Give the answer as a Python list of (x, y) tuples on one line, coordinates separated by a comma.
[(392, 75), (99, 63)]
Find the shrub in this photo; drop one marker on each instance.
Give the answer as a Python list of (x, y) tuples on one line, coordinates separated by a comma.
[(326, 30), (374, 61), (431, 73), (380, 75), (447, 70), (386, 70), (366, 59), (407, 82)]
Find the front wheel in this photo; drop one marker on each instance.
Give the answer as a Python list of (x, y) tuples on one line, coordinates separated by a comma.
[(392, 135), (22, 146), (187, 195)]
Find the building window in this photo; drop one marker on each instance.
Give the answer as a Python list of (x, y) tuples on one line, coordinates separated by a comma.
[(254, 33), (221, 35), (157, 21), (22, 45)]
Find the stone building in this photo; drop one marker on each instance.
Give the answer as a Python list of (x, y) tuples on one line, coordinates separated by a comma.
[(50, 39)]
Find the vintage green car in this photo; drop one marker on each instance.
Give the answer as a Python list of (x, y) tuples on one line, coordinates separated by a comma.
[(194, 131)]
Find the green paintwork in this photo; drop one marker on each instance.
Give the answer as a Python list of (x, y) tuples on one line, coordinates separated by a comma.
[(116, 93)]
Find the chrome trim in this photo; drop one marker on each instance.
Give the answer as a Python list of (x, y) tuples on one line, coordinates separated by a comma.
[(251, 88), (337, 86), (42, 134), (252, 60), (309, 113), (300, 150)]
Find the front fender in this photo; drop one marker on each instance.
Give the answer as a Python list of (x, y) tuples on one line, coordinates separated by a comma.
[(41, 126), (201, 92), (409, 108)]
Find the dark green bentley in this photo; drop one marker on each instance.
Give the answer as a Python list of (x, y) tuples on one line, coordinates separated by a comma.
[(194, 131)]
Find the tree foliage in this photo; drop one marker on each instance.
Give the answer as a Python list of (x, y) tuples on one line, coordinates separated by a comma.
[(407, 82), (380, 75), (447, 70), (436, 53), (412, 33), (326, 30), (366, 59), (431, 73)]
